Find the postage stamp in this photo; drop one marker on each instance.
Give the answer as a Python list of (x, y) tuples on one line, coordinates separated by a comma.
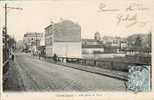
[(139, 78)]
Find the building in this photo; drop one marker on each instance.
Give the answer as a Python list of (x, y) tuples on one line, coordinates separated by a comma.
[(114, 44), (92, 49), (111, 41), (91, 46), (91, 42), (31, 40), (41, 47), (63, 39), (123, 44), (111, 49), (19, 45)]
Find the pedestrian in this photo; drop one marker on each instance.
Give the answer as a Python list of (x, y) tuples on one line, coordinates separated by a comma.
[(39, 54), (55, 58)]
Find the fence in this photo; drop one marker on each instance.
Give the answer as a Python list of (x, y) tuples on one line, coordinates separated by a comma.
[(107, 64)]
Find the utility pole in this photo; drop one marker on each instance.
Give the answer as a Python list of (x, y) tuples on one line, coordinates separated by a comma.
[(5, 36), (6, 53), (5, 18)]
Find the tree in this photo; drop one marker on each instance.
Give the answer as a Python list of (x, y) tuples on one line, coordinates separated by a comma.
[(135, 41), (149, 40), (138, 42)]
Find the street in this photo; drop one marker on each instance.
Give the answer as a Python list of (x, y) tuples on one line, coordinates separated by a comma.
[(39, 75)]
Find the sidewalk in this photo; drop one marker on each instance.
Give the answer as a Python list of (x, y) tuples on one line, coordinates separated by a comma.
[(11, 79), (110, 73)]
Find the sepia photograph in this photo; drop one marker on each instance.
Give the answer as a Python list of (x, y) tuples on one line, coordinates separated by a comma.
[(76, 46)]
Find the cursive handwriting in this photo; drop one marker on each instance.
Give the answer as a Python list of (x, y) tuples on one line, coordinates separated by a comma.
[(103, 8), (126, 18), (135, 7), (131, 7), (131, 20)]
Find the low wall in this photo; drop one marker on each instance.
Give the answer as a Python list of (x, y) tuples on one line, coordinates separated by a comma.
[(121, 66), (113, 65)]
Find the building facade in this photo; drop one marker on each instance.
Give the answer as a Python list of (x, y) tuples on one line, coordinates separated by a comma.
[(111, 41), (32, 40), (63, 39), (92, 46)]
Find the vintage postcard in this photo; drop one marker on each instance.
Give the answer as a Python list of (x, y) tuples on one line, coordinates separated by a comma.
[(76, 49)]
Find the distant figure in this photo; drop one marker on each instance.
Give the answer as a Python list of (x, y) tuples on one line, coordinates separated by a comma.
[(33, 53), (55, 58), (39, 54)]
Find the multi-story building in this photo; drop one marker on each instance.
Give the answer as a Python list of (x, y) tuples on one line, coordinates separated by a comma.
[(41, 47), (31, 40), (111, 41), (63, 39)]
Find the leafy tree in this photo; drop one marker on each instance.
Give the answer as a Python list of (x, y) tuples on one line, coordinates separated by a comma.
[(138, 42), (149, 40)]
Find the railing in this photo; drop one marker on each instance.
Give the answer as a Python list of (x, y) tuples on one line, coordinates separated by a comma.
[(107, 64)]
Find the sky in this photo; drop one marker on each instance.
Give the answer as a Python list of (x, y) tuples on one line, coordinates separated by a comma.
[(36, 15)]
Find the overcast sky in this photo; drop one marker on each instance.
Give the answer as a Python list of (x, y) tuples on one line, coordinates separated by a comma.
[(36, 15)]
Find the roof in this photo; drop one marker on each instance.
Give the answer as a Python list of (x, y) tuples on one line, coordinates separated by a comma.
[(66, 31), (32, 34), (89, 40), (92, 46), (111, 47), (48, 26)]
